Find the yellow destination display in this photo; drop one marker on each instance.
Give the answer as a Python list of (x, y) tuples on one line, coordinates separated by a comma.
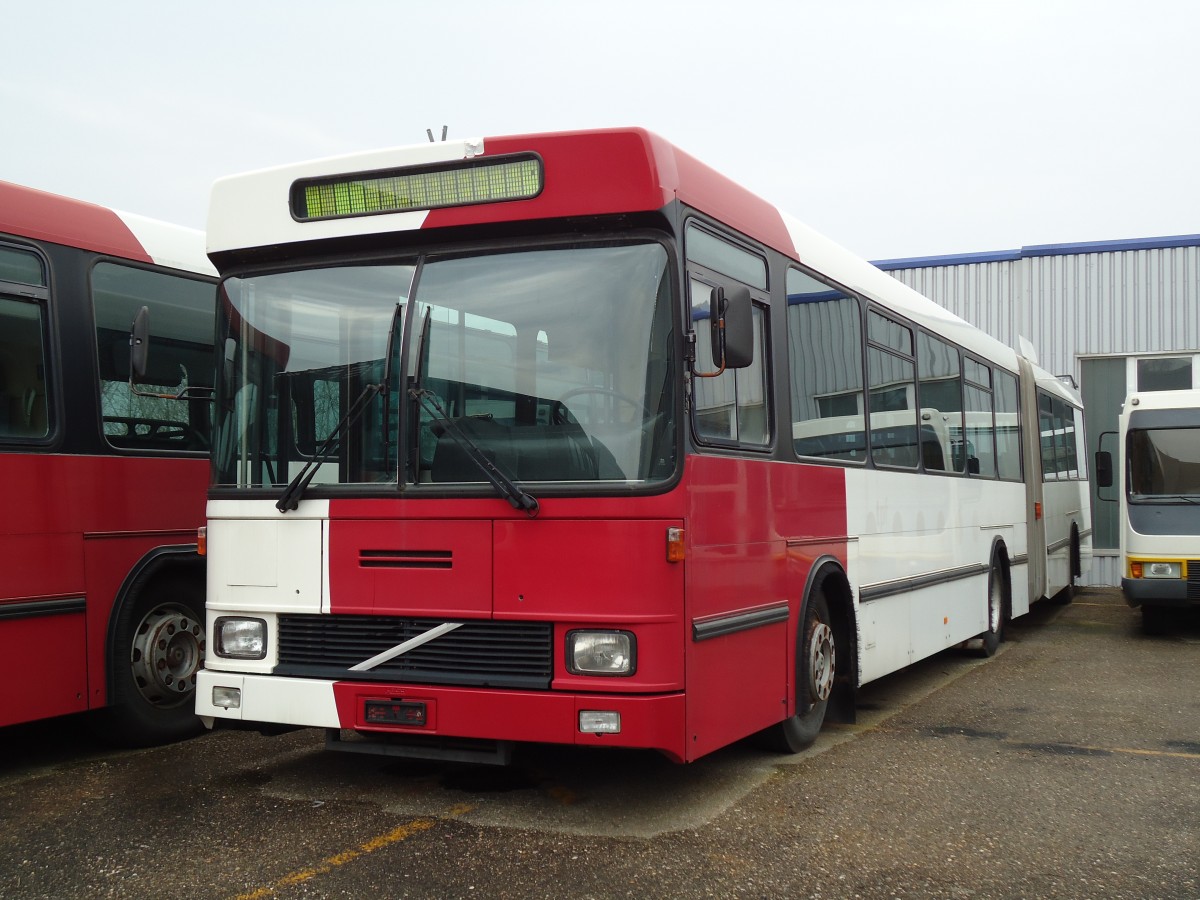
[(400, 190)]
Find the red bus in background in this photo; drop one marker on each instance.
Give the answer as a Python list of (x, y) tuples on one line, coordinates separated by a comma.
[(568, 438), (101, 586)]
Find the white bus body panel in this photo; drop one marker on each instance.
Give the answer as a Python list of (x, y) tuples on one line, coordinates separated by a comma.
[(902, 535)]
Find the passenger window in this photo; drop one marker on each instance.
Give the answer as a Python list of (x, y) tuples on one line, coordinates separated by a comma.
[(892, 400), (1008, 427), (24, 404), (826, 370), (1048, 441), (979, 434), (940, 382), (24, 410), (181, 356)]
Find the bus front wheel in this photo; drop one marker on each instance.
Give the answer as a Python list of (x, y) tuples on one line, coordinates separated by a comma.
[(988, 643), (816, 668)]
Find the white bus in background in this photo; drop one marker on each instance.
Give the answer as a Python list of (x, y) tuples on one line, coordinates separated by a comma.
[(1159, 458)]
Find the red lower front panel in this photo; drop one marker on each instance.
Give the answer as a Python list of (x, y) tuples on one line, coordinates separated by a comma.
[(654, 722)]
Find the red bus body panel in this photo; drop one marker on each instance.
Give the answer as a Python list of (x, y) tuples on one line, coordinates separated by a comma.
[(78, 525), (602, 563)]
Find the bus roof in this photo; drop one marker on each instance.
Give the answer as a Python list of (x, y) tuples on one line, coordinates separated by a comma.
[(30, 213), (585, 173)]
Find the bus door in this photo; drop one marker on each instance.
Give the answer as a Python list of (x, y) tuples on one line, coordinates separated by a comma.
[(1034, 500)]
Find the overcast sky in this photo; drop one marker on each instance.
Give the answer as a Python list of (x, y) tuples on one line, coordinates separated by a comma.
[(897, 127)]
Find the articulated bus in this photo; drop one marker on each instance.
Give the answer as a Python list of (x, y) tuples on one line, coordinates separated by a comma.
[(567, 438), (103, 477), (1159, 459)]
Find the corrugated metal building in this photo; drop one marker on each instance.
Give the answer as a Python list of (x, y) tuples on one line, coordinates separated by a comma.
[(1117, 316)]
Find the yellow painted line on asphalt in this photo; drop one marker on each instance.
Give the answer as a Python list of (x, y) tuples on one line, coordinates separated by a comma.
[(1174, 754), (397, 834)]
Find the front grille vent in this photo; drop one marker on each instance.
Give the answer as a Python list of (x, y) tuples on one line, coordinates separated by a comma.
[(405, 559), (1193, 580), (478, 654)]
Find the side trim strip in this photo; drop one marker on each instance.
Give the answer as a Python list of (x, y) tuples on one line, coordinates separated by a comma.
[(831, 539), (1019, 560), (719, 626), (28, 609), (869, 592), (1058, 545)]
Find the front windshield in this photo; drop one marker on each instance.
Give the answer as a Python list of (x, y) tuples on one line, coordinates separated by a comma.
[(1164, 463), (555, 364)]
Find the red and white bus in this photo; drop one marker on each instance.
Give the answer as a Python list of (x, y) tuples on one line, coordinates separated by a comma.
[(568, 438), (101, 587)]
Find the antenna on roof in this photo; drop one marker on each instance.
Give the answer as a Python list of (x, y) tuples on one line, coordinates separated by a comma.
[(445, 130)]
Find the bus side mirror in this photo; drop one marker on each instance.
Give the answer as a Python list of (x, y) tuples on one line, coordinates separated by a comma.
[(732, 322), (139, 346), (1104, 469)]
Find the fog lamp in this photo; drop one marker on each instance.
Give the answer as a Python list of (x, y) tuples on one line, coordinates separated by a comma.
[(227, 697), (599, 722), (601, 652), (239, 638), (1161, 570)]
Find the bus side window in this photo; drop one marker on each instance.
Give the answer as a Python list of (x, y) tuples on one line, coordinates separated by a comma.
[(893, 398), (1008, 427), (181, 356), (981, 427), (24, 406), (825, 359), (940, 383), (733, 405)]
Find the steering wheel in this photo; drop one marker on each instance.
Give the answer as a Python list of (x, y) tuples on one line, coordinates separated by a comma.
[(559, 409)]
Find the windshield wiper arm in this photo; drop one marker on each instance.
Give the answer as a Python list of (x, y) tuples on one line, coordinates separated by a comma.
[(290, 498), (510, 490)]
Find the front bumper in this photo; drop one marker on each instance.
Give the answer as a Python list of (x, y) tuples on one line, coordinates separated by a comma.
[(1168, 592), (655, 722)]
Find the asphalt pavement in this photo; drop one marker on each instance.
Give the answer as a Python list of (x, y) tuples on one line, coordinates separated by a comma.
[(1068, 765)]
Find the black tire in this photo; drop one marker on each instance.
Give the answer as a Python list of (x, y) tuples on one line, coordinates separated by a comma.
[(1067, 594), (816, 668), (158, 646), (989, 642), (1156, 620)]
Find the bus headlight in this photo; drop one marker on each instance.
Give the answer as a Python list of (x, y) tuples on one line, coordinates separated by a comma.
[(241, 638), (601, 652)]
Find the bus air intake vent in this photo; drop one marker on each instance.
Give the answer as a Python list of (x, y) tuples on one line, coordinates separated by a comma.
[(405, 559), (1193, 580), (477, 654)]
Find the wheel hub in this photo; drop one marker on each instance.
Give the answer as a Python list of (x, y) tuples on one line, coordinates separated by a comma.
[(821, 662), (166, 654)]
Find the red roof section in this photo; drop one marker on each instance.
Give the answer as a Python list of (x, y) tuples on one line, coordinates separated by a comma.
[(621, 170), (49, 217)]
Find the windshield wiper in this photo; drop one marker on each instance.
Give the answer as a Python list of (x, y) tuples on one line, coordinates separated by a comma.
[(290, 498), (510, 490)]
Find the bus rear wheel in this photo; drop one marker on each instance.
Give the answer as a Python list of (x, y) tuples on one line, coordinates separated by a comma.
[(158, 648), (816, 670)]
